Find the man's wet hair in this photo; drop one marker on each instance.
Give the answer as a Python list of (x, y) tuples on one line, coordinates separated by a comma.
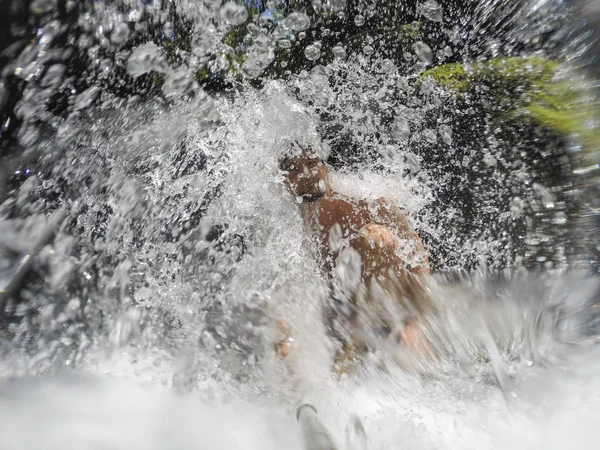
[(287, 162)]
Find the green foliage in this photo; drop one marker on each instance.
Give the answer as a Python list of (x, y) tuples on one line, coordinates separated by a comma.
[(174, 47), (450, 76), (528, 86)]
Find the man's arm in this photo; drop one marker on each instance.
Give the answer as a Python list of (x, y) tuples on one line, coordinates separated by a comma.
[(396, 219)]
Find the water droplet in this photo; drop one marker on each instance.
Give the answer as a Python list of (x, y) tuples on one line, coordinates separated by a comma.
[(401, 129), (53, 76), (253, 29), (144, 59), (126, 327), (430, 135), (517, 207), (413, 161), (169, 29), (560, 218), (208, 340), (336, 237), (120, 33), (339, 52), (179, 83), (454, 34), (259, 57), (446, 134), (234, 14), (368, 50), (86, 98), (284, 43), (431, 10), (423, 52), (387, 66), (312, 52), (337, 5), (348, 269), (546, 196), (359, 21), (297, 21)]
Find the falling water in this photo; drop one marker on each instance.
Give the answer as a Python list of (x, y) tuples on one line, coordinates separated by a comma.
[(148, 241)]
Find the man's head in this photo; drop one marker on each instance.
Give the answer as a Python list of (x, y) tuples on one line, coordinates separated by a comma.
[(307, 175)]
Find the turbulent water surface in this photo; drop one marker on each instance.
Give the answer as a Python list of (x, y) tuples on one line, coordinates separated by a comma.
[(148, 241)]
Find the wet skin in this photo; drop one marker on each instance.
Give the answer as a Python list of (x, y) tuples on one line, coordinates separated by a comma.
[(391, 253)]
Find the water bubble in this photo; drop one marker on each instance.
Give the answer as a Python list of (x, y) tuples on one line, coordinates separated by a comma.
[(301, 35), (560, 218), (297, 21), (337, 5), (368, 50), (169, 29), (208, 340), (179, 83), (446, 134), (339, 52), (38, 7), (413, 162), (234, 14), (253, 29), (86, 98), (260, 56), (387, 66), (284, 43), (144, 59), (431, 10), (47, 34), (120, 33), (428, 86), (336, 238), (348, 269), (53, 76), (401, 129), (126, 327), (359, 21), (545, 194), (454, 34), (252, 68), (312, 52), (423, 52), (517, 207), (430, 135)]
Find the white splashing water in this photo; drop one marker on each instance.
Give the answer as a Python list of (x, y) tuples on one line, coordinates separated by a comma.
[(233, 393)]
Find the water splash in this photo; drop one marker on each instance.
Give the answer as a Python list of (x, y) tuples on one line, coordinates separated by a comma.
[(179, 245)]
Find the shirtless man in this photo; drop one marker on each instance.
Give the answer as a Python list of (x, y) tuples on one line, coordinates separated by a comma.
[(387, 295)]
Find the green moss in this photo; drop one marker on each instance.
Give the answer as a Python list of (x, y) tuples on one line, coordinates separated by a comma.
[(202, 75), (235, 36), (235, 61), (173, 49), (450, 76), (158, 79), (559, 107), (528, 87)]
